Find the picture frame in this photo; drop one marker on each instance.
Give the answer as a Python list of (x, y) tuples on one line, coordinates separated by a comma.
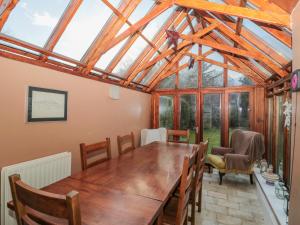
[(46, 105)]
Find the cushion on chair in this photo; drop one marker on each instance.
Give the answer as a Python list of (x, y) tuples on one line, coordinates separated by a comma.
[(216, 161)]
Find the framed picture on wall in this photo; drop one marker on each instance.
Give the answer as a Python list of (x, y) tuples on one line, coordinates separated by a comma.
[(47, 105)]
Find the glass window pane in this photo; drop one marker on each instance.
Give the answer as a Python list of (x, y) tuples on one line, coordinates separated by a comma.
[(238, 79), (130, 57), (238, 111), (188, 78), (205, 49), (212, 120), (188, 107), (212, 75), (166, 108), (167, 83), (33, 21), (83, 29)]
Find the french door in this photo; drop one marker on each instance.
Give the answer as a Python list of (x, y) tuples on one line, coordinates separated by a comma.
[(208, 114)]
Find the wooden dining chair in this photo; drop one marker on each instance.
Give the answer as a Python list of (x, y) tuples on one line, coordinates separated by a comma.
[(197, 180), (34, 206), (179, 205), (100, 149), (126, 143), (177, 134)]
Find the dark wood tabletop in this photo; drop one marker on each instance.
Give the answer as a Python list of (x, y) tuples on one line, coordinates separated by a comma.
[(152, 171), (130, 189)]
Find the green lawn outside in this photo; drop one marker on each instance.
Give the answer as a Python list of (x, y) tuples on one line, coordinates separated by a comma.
[(213, 136)]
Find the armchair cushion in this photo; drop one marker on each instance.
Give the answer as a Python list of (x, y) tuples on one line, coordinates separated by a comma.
[(216, 161), (237, 162), (221, 150)]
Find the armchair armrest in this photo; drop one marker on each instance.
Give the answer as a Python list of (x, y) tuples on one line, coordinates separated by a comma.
[(221, 150), (237, 162)]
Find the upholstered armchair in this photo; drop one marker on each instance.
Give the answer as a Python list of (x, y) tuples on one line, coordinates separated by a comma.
[(246, 147)]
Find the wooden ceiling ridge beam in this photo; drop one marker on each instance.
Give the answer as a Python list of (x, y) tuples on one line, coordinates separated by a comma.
[(255, 40), (183, 44), (253, 52), (101, 47), (62, 24), (108, 32), (5, 9), (279, 19), (148, 53)]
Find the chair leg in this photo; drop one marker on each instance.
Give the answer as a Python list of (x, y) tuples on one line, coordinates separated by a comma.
[(193, 213), (251, 178), (199, 203), (221, 175)]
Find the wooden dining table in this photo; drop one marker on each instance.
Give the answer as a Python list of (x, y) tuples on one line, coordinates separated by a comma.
[(130, 189)]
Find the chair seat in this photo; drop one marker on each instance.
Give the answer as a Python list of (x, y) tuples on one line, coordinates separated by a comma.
[(170, 212), (216, 161)]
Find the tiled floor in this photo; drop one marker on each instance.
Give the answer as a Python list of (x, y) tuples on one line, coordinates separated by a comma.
[(233, 203)]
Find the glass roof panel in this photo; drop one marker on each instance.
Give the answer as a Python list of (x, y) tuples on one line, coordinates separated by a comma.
[(115, 3), (238, 79), (88, 20), (263, 69), (153, 71), (130, 57), (205, 49), (216, 56), (105, 59), (277, 45), (154, 26), (33, 21), (140, 11)]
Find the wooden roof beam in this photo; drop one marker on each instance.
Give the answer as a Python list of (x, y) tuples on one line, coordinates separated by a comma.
[(239, 22), (279, 19), (101, 46), (5, 9)]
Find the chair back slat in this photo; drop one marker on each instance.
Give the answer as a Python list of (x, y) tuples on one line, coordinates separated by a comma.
[(26, 197), (185, 187), (126, 143), (176, 134), (101, 149), (200, 162)]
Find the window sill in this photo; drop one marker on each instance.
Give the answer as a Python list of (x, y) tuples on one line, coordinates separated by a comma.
[(275, 214)]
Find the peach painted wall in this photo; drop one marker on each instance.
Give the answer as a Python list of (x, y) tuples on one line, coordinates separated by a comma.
[(295, 192), (92, 115)]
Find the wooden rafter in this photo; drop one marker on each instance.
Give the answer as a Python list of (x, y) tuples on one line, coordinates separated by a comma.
[(100, 46), (139, 32), (239, 22), (62, 24), (5, 9), (279, 19)]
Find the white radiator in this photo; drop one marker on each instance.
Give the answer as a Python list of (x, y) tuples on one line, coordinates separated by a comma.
[(37, 173)]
